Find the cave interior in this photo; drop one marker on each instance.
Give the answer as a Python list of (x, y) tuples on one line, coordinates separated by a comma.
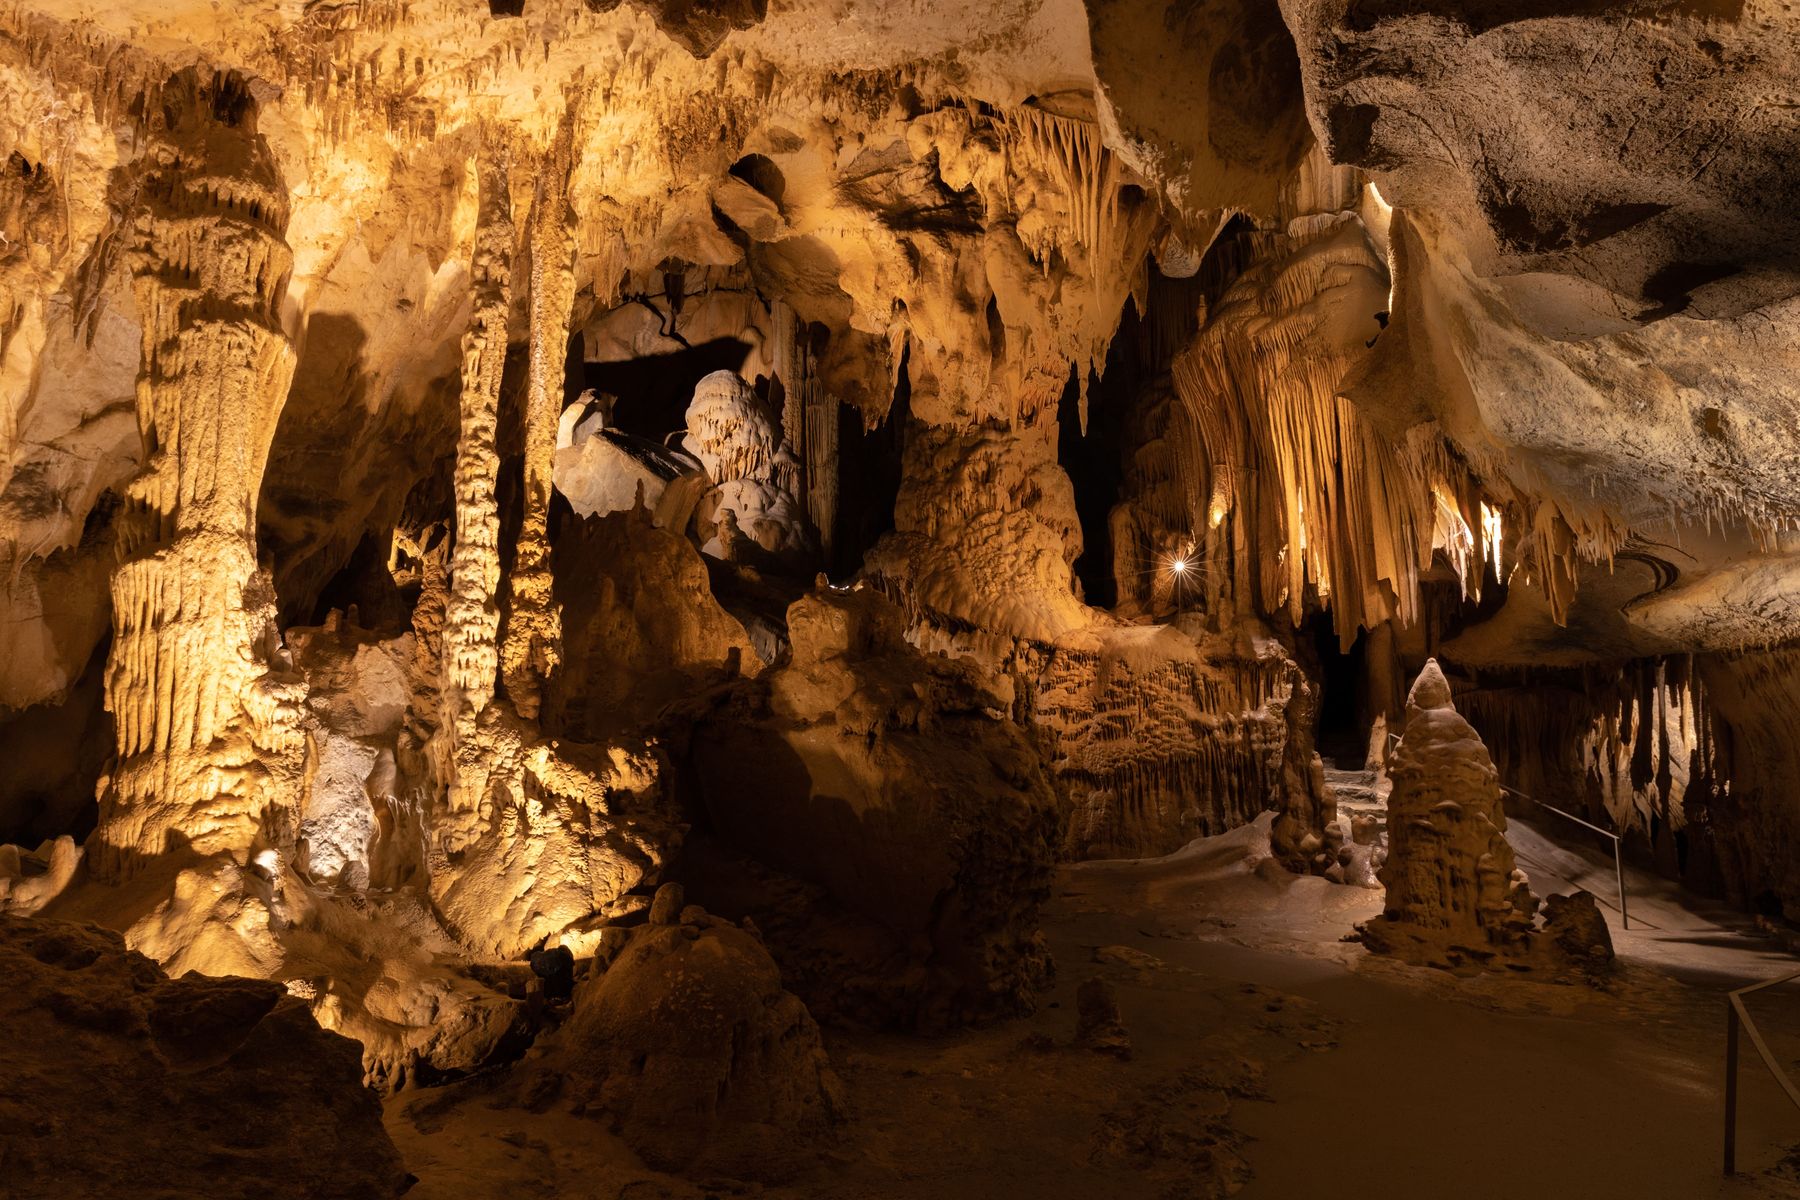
[(1064, 598)]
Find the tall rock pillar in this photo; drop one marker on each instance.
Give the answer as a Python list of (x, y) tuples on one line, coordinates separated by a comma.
[(203, 727), (1455, 896)]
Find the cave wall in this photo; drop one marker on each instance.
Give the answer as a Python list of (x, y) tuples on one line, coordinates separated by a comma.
[(1432, 340)]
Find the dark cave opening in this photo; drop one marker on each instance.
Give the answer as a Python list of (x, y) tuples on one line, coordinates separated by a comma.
[(47, 791), (869, 471), (1341, 735), (1093, 466), (652, 393), (364, 589), (1094, 460)]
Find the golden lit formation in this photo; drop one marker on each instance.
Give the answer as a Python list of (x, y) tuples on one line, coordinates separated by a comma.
[(959, 599)]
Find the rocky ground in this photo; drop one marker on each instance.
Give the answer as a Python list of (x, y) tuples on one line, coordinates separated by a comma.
[(1265, 1057)]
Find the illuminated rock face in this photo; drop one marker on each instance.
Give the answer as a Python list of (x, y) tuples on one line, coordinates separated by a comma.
[(1454, 893), (336, 650), (205, 727), (751, 511)]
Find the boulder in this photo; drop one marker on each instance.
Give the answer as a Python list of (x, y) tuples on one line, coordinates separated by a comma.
[(247, 1096), (704, 1062), (1576, 931), (1097, 1024)]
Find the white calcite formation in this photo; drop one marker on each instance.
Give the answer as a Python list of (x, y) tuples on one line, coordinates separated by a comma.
[(601, 471), (751, 506)]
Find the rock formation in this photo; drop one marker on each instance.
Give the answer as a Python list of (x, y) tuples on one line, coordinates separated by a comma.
[(204, 717), (893, 782), (701, 1059), (233, 1074), (1455, 895), (466, 467)]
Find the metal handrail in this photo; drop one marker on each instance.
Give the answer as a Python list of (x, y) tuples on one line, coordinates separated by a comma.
[(1735, 1015), (1618, 857)]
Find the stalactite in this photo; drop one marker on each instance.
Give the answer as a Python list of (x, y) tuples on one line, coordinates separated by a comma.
[(188, 679), (1550, 547), (1629, 746), (472, 619), (1091, 181), (1086, 169), (531, 646), (1309, 494)]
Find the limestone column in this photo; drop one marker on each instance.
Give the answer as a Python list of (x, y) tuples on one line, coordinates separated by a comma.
[(201, 726), (471, 614), (531, 646)]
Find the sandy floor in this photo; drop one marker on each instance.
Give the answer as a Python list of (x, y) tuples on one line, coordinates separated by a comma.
[(1268, 1056)]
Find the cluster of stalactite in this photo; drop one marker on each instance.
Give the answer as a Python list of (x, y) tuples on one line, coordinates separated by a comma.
[(1296, 494), (1690, 757), (1638, 748), (1089, 175), (202, 724), (1089, 181)]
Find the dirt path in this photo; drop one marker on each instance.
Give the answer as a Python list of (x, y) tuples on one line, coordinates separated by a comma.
[(1493, 1087), (1267, 1056)]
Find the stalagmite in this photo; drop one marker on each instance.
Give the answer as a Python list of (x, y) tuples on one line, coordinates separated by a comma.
[(1455, 896), (205, 720), (472, 616)]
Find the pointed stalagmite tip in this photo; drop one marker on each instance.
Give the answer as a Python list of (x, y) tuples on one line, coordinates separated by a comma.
[(1430, 689)]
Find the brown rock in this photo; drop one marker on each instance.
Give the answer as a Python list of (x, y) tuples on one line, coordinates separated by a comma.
[(238, 1083), (1097, 1024), (666, 908), (1454, 894), (705, 1062)]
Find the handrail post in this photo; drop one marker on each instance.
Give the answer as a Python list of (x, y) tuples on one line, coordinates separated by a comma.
[(1619, 873), (1731, 1077)]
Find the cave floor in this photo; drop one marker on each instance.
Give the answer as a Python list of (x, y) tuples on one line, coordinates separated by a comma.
[(1267, 1055)]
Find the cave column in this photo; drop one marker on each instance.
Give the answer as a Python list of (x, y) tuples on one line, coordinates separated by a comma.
[(472, 616), (202, 728), (531, 646), (809, 421)]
